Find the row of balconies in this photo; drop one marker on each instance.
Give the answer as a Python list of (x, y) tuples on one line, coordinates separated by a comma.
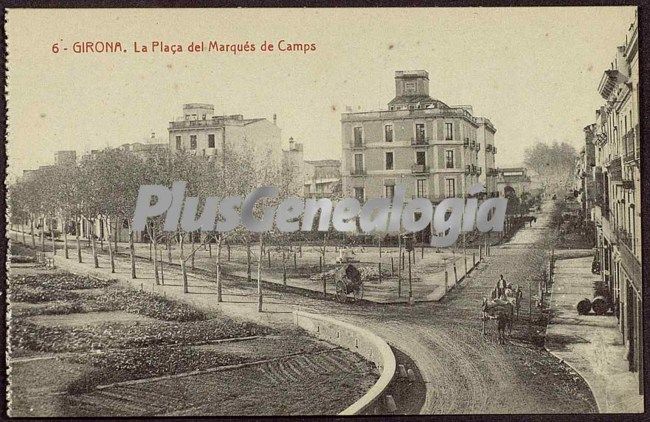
[(491, 148), (470, 169), (631, 146), (473, 169), (358, 144), (472, 144)]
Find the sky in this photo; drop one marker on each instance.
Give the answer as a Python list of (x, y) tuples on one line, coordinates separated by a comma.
[(533, 72)]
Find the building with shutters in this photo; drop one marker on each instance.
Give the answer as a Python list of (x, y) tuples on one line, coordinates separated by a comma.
[(616, 209), (420, 142)]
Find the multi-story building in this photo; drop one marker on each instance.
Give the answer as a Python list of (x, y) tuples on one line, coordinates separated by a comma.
[(512, 181), (419, 142), (585, 181), (617, 210), (200, 132), (322, 178), (312, 178), (485, 138)]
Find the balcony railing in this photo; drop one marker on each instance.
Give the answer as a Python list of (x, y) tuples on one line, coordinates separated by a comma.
[(625, 238), (357, 172), (419, 141), (358, 143), (629, 146), (419, 169)]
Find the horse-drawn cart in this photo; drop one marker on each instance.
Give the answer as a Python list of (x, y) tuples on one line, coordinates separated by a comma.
[(504, 309), (348, 282)]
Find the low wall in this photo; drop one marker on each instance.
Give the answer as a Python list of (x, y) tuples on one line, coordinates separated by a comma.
[(360, 341)]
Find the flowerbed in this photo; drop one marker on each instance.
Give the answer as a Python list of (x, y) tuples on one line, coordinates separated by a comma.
[(39, 294), (147, 304), (122, 365), (28, 336), (60, 281)]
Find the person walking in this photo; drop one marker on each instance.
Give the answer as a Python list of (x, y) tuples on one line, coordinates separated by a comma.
[(501, 286)]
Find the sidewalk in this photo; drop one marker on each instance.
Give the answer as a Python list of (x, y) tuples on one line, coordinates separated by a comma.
[(592, 345)]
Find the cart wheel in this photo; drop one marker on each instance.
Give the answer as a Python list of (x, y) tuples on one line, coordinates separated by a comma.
[(340, 292), (358, 294)]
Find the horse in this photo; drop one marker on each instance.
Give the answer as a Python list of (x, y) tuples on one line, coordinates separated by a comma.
[(503, 310)]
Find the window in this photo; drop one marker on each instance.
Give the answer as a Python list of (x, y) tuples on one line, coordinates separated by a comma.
[(210, 141), (389, 161), (409, 88), (358, 162), (359, 194), (421, 158), (449, 159), (388, 133), (419, 132), (179, 145), (390, 191), (420, 188), (451, 188), (192, 141), (449, 131), (358, 136)]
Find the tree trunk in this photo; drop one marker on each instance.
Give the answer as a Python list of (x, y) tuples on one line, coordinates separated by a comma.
[(110, 247), (52, 234), (183, 269), (115, 233), (93, 243), (154, 245), (169, 249), (132, 251), (219, 239), (42, 234), (23, 230), (248, 258), (31, 228), (259, 278), (102, 233), (76, 235), (65, 240), (192, 249)]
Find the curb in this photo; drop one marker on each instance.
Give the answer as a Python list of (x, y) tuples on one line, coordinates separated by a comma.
[(363, 342)]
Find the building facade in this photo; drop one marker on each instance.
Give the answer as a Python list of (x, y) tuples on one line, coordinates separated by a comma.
[(430, 148), (485, 138), (313, 178), (512, 181), (617, 201), (200, 132)]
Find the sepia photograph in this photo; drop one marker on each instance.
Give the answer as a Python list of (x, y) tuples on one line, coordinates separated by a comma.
[(323, 211)]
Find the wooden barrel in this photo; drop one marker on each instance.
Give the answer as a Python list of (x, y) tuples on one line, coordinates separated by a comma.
[(584, 306), (600, 305)]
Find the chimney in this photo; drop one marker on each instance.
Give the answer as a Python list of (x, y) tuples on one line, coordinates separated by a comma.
[(275, 119)]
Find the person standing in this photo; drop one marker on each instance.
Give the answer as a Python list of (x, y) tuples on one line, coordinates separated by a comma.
[(501, 286)]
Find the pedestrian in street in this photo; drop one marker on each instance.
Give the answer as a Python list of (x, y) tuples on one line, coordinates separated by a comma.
[(501, 286)]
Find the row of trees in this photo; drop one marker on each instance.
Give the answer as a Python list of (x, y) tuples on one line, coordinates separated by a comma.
[(103, 187)]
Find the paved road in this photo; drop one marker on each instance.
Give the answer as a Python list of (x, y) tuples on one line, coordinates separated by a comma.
[(464, 371)]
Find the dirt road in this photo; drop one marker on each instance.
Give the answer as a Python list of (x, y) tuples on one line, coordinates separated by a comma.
[(467, 372)]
